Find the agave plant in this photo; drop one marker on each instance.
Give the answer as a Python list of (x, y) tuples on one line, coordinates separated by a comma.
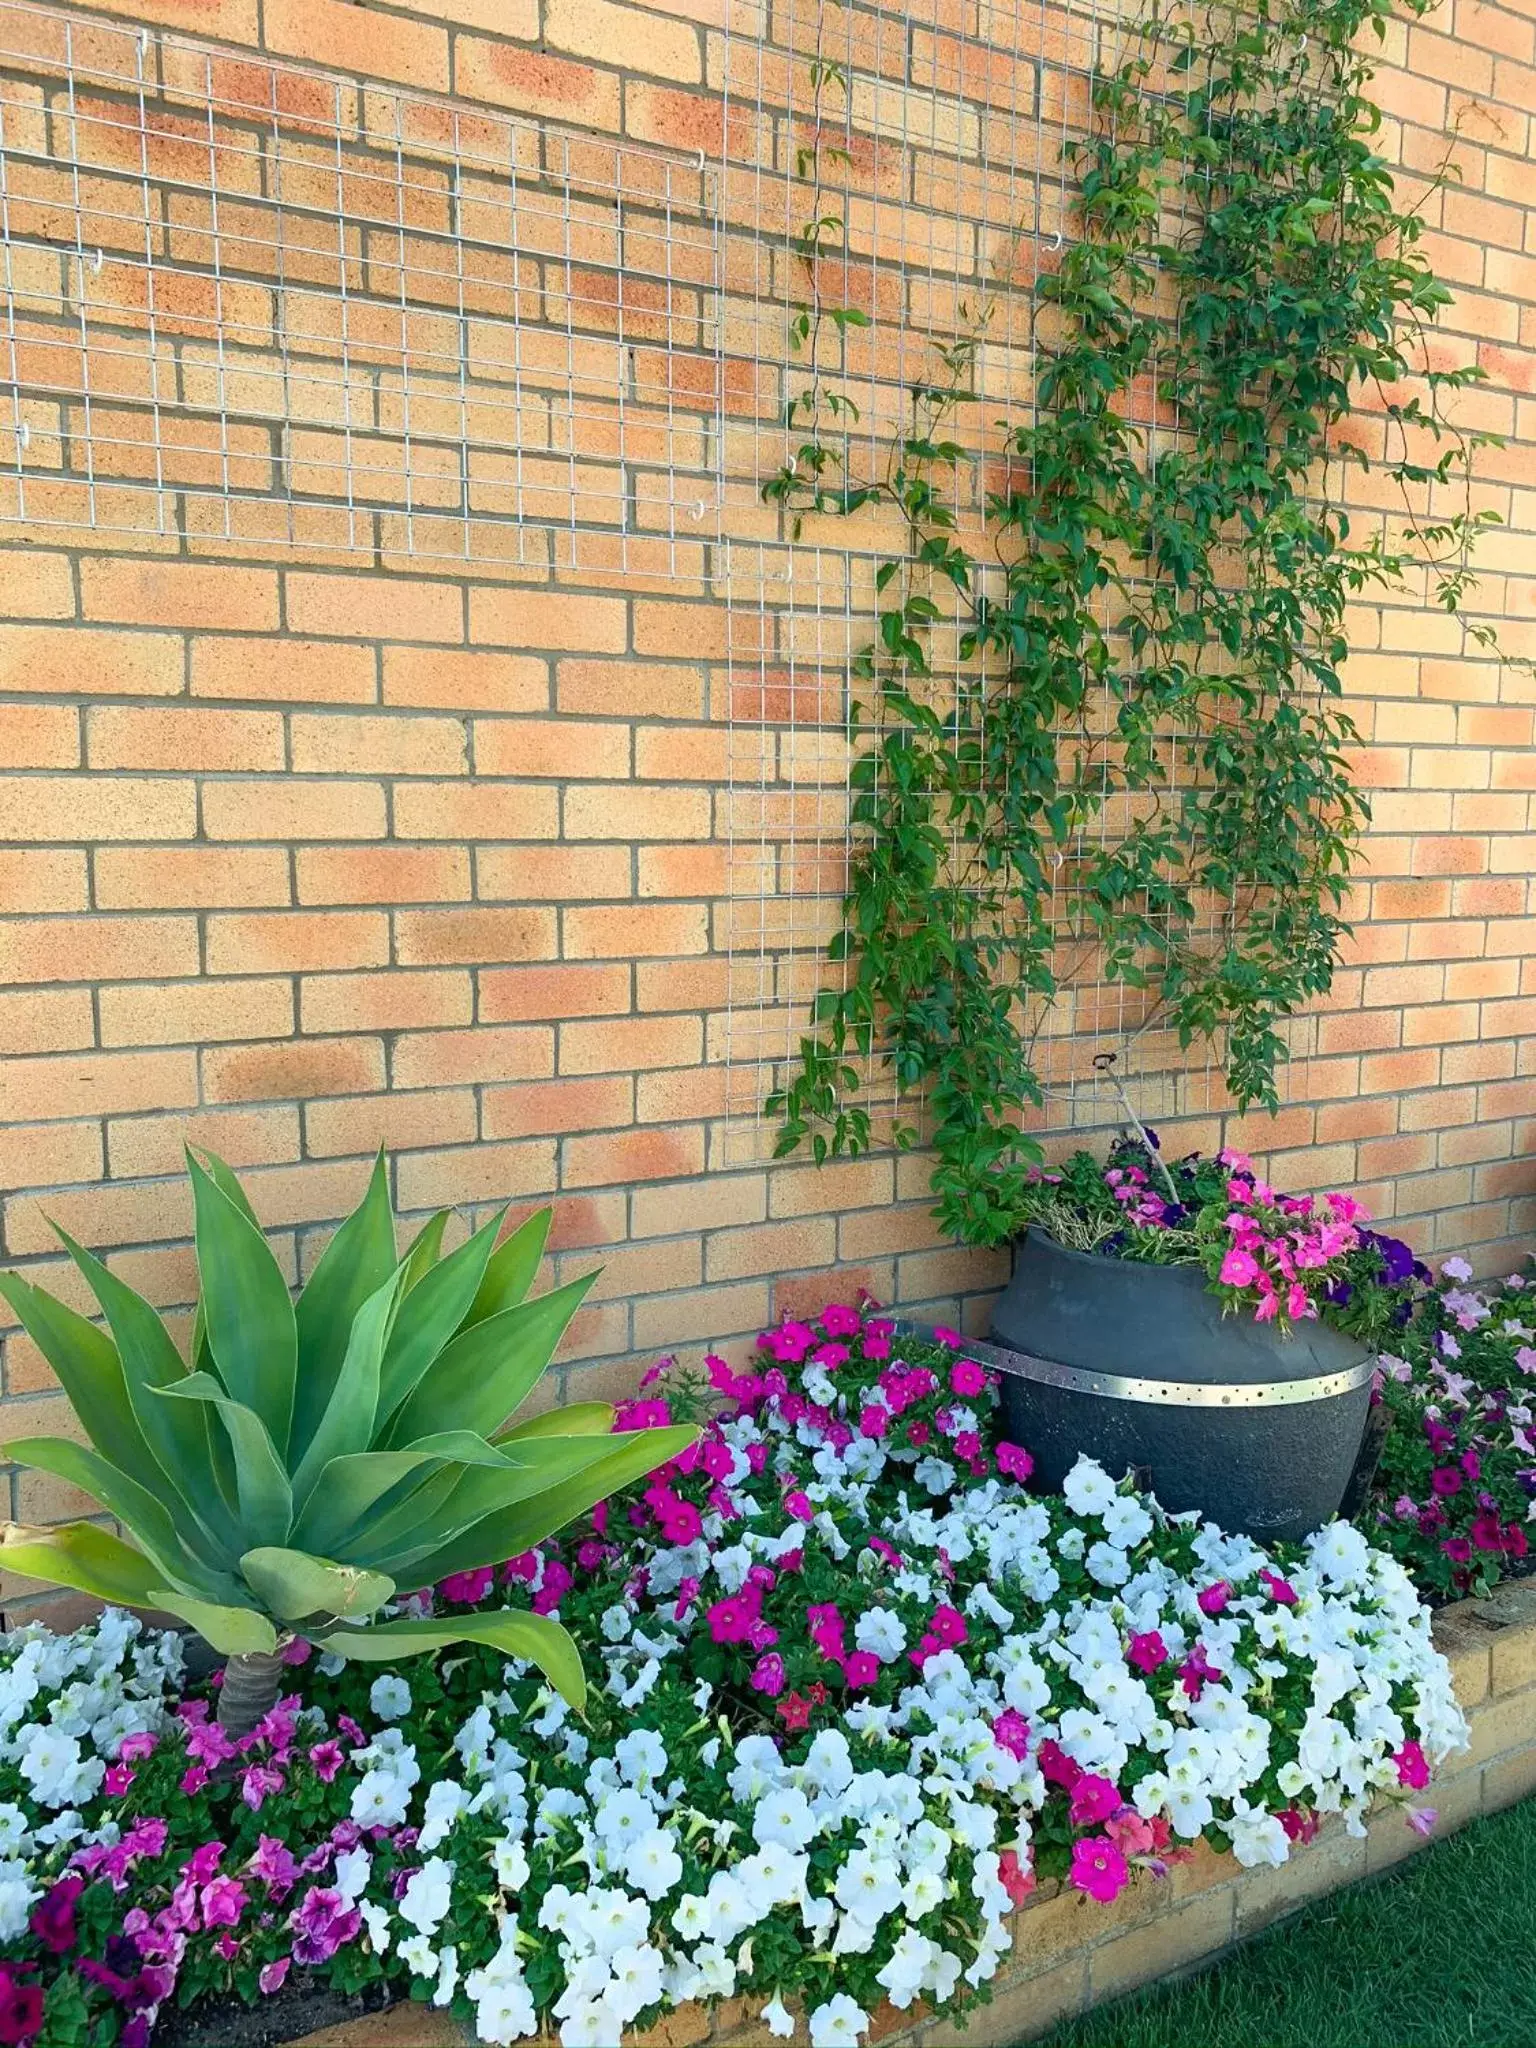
[(320, 1454)]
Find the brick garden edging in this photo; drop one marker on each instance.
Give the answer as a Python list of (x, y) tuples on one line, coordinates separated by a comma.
[(1070, 1954)]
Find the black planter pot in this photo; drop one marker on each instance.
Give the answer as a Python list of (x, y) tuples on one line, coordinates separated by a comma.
[(1137, 1366)]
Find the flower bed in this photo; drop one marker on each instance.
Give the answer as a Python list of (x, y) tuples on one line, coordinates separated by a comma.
[(1456, 1486), (860, 1691)]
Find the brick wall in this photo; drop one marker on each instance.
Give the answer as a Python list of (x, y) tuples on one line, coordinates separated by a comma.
[(298, 855)]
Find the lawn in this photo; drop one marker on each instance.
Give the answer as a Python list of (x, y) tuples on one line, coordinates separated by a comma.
[(1440, 1955)]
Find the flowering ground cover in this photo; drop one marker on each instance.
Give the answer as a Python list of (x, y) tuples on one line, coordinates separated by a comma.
[(1384, 1965), (1456, 1487), (856, 1691)]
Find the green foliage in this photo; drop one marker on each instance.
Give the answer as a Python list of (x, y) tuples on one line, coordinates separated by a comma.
[(1160, 731), (320, 1454)]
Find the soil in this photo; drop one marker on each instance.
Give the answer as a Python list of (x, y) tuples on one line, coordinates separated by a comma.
[(301, 2008)]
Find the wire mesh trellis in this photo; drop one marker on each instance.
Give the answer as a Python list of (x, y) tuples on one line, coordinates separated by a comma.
[(942, 150), (247, 302)]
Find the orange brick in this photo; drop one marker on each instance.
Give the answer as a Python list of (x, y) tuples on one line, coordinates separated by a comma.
[(92, 807), (637, 813), (184, 738), (641, 689), (600, 30), (39, 736), (192, 1012), (527, 994), (243, 1137), (432, 938), (770, 1248), (682, 1095), (701, 1316), (539, 1108), (846, 1184), (36, 585), (396, 1000), (632, 932), (346, 39), (354, 607), (32, 879), (451, 680), (1389, 1072), (296, 942), (552, 874), (476, 810), (283, 671), (96, 1084), (482, 1053), (620, 1044), (603, 1159), (535, 84), (294, 1072), (476, 1173), (152, 593), (49, 1154), (45, 1020), (688, 631), (382, 874), (360, 745), (563, 747), (281, 809), (563, 620), (694, 870), (188, 877), (722, 1200), (663, 755), (96, 948), (682, 984), (438, 1116)]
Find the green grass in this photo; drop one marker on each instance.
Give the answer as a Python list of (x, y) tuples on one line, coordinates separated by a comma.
[(1440, 1955)]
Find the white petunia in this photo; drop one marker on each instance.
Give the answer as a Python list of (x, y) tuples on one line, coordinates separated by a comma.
[(1088, 1488), (778, 2019), (652, 1864), (390, 1697), (428, 1895), (838, 2023)]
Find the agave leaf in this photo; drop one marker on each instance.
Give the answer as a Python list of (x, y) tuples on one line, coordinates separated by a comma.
[(354, 1487), (266, 1498), (355, 1264), (460, 1447), (347, 1425), (246, 1307), (394, 1525), (534, 1637), (577, 1418), (512, 1268), (90, 1372), (80, 1555), (425, 1250), (141, 1513), (430, 1314), (508, 1531), (177, 1436), (218, 1442), (488, 1369), (292, 1584), (232, 1631), (225, 1180)]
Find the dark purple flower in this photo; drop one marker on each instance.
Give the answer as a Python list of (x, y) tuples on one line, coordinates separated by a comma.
[(53, 1917)]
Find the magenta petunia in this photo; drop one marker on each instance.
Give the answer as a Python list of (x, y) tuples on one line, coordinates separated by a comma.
[(1098, 1868), (1010, 1731), (1094, 1799), (1146, 1651), (966, 1378)]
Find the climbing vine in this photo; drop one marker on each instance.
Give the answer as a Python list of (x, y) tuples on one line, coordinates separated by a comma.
[(1238, 253)]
